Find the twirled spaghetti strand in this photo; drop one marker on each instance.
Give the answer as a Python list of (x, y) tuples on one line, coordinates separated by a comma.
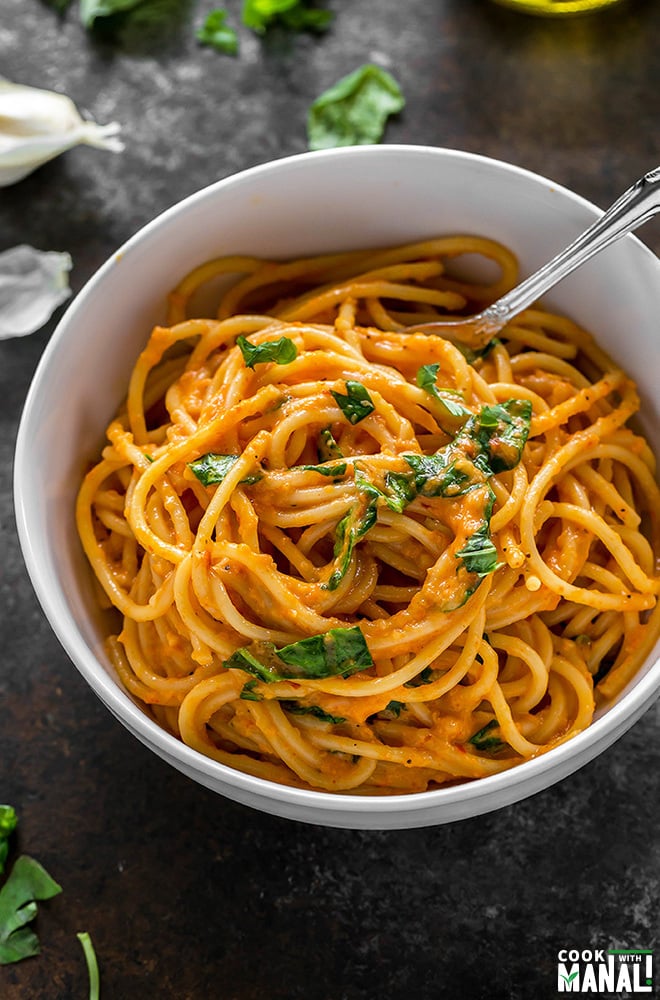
[(354, 558)]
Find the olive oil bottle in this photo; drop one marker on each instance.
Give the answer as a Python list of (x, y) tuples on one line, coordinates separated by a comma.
[(555, 7)]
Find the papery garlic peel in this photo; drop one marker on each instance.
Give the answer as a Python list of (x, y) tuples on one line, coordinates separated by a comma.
[(37, 125)]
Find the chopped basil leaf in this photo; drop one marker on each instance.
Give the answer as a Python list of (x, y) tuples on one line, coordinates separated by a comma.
[(357, 404), (352, 527), (327, 448), (444, 474), (482, 741), (479, 554), (211, 469), (424, 677), (449, 401), (8, 821), (472, 355), (249, 694), (354, 111), (341, 651), (282, 351), (296, 15), (219, 35), (27, 883), (297, 709), (502, 432), (325, 470)]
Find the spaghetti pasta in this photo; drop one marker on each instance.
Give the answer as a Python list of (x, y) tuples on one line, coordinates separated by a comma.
[(352, 557)]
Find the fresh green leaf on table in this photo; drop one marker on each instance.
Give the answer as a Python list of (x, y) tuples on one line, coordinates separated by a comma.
[(355, 110), (8, 821), (216, 33), (296, 15), (90, 10), (27, 883)]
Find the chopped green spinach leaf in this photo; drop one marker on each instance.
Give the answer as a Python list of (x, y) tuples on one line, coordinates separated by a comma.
[(354, 111), (341, 651), (325, 470), (481, 740), (282, 351), (297, 709), (356, 404), (211, 469), (327, 447), (249, 694), (450, 402)]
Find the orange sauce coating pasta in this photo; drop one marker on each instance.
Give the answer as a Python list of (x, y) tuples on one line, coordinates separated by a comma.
[(483, 527)]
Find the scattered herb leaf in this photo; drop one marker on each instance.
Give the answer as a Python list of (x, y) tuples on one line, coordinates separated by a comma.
[(356, 404), (327, 447), (297, 709), (424, 677), (341, 651), (27, 883), (296, 15), (325, 470), (354, 111), (8, 821), (282, 351), (216, 33), (481, 740), (249, 694), (90, 10), (450, 402), (211, 469)]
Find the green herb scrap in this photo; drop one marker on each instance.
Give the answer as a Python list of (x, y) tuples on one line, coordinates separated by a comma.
[(296, 15), (325, 470), (354, 111), (356, 404), (315, 710), (92, 965), (8, 821), (341, 651), (212, 468), (482, 740), (90, 10), (327, 448), (450, 402), (27, 883), (282, 351), (218, 34)]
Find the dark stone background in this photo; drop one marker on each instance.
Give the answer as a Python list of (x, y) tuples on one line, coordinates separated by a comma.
[(187, 895)]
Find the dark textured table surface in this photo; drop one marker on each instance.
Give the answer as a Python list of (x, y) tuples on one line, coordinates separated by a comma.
[(187, 895)]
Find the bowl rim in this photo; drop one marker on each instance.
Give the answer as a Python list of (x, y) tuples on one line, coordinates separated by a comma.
[(578, 750)]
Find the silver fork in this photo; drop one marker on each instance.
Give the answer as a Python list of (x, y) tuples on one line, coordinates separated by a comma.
[(635, 206)]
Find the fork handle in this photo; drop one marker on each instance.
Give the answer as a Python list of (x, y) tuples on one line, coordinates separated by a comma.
[(635, 206)]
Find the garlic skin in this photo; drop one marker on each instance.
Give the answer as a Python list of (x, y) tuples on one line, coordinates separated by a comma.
[(33, 283), (37, 125)]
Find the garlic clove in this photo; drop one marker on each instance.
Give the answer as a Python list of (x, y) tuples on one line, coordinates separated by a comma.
[(37, 125), (32, 284)]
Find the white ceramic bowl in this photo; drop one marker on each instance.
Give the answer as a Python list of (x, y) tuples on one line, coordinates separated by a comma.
[(313, 203)]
